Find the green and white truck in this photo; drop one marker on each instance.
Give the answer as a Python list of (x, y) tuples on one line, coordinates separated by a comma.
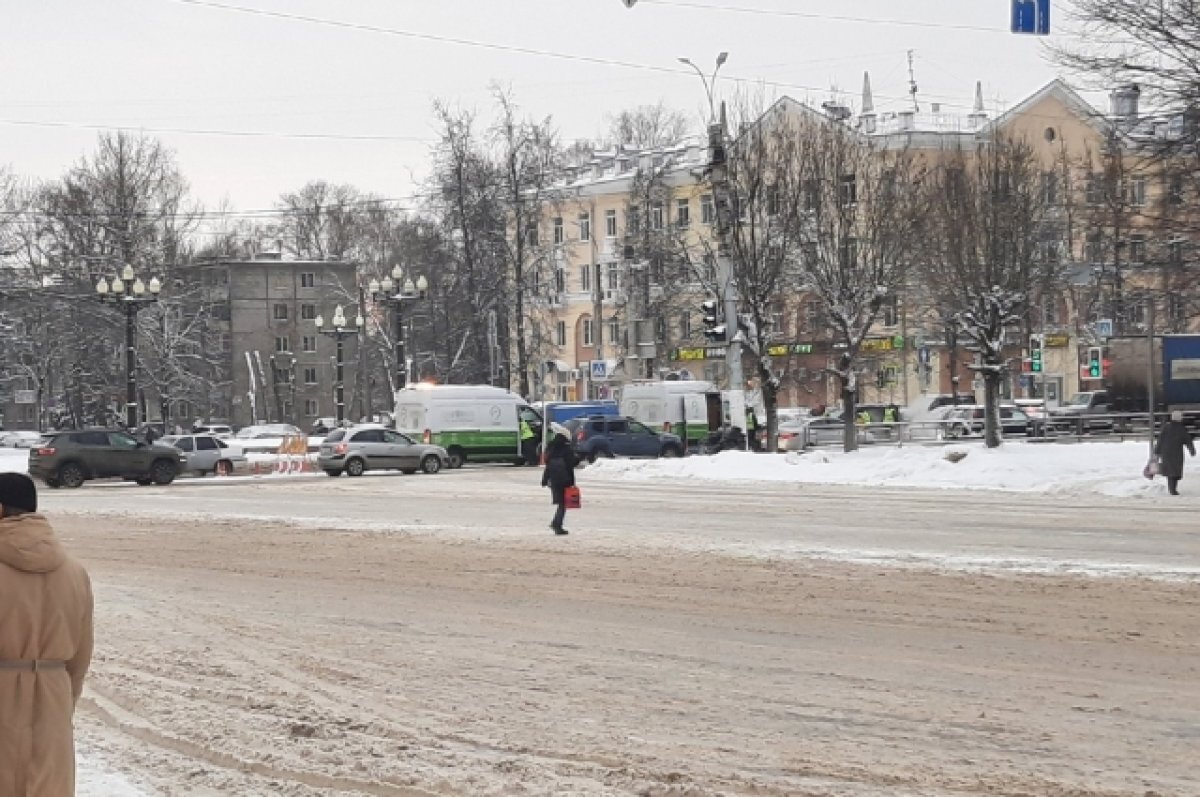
[(688, 408), (475, 423)]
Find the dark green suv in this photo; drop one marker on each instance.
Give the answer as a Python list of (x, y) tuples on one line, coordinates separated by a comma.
[(68, 459)]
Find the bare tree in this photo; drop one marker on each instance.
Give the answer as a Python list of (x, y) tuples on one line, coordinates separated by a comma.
[(467, 204), (861, 212), (987, 253), (647, 127), (529, 161), (322, 220)]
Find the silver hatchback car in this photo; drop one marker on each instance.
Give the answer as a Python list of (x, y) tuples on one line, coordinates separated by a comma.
[(356, 450)]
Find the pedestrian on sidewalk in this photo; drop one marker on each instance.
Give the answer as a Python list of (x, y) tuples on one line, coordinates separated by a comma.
[(45, 647), (1173, 438), (558, 476)]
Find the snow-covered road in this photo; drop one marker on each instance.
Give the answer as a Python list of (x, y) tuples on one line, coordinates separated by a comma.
[(415, 636)]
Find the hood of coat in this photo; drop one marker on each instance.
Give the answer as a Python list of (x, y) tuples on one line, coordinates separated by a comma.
[(27, 543)]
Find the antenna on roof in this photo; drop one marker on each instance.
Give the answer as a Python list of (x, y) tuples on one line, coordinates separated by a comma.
[(912, 82)]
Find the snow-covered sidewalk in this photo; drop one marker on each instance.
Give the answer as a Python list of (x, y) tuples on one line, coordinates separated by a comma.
[(1113, 469)]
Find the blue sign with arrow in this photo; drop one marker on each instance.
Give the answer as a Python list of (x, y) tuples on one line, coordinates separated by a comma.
[(1031, 16)]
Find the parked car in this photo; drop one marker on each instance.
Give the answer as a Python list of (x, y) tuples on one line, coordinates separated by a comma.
[(1084, 412), (826, 430), (356, 450), (221, 430), (206, 453), (612, 436), (963, 399), (266, 431), (19, 439), (322, 426), (969, 421), (68, 459)]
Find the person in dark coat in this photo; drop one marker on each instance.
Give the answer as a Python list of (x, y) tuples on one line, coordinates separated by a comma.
[(1173, 438), (558, 476)]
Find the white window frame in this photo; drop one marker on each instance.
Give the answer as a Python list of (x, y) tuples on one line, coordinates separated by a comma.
[(559, 234), (683, 213), (586, 328), (610, 223), (585, 227), (560, 333), (585, 278)]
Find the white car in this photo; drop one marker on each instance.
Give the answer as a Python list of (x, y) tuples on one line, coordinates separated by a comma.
[(206, 453), (220, 430)]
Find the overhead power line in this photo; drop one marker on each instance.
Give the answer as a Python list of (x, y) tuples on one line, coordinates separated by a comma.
[(519, 50), (213, 131)]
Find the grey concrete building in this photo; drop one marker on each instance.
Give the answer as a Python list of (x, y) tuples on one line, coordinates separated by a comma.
[(281, 369)]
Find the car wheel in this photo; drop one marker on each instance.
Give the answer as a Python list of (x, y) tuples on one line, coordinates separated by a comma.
[(333, 473), (458, 457), (71, 475), (52, 483), (670, 452), (162, 472), (355, 467), (431, 464), (224, 468)]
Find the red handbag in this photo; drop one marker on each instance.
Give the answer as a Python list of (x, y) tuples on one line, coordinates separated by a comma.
[(571, 497)]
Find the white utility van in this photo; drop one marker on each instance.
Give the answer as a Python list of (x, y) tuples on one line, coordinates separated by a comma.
[(479, 423), (690, 409)]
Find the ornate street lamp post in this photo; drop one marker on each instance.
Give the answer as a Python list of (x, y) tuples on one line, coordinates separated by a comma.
[(339, 330), (132, 295), (392, 289)]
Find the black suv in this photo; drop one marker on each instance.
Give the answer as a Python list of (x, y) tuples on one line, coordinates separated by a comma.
[(609, 436), (68, 459)]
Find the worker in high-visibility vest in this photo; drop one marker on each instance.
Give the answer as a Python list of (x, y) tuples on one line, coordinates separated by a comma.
[(528, 443)]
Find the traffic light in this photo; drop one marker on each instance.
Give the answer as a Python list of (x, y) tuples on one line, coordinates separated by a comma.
[(1035, 353), (714, 330), (1095, 362)]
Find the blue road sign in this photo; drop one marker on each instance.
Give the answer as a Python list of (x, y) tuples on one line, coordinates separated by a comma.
[(1031, 16)]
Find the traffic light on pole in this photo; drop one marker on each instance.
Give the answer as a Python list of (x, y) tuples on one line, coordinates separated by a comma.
[(714, 330), (1035, 353), (1095, 362)]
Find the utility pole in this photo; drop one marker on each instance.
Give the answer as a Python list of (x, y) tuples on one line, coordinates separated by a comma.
[(719, 177)]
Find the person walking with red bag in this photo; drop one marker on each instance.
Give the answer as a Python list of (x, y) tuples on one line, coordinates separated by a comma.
[(559, 475)]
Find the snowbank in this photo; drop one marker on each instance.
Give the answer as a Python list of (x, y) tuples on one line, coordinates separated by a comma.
[(1106, 468)]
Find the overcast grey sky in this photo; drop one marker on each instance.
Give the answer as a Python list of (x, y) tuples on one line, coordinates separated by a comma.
[(74, 66)]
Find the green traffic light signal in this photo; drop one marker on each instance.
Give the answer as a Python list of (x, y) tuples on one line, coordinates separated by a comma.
[(1094, 369)]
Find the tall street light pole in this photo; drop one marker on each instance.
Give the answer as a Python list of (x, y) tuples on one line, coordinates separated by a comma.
[(339, 330), (397, 290), (718, 175), (132, 295)]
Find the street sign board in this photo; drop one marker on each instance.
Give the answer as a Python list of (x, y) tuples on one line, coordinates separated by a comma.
[(599, 369), (1104, 328), (24, 396), (1031, 16)]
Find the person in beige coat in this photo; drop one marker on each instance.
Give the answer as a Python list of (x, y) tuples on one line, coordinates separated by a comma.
[(45, 647)]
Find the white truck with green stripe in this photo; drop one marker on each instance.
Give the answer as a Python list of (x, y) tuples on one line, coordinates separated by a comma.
[(691, 409), (474, 423)]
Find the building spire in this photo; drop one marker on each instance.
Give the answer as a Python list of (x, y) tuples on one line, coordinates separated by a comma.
[(978, 115), (866, 117)]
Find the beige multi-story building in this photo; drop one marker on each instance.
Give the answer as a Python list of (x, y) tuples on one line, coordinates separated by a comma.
[(1118, 220)]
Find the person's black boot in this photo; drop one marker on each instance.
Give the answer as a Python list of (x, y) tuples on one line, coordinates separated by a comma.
[(559, 530)]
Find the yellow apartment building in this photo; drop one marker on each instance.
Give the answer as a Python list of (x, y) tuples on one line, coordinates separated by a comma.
[(619, 312)]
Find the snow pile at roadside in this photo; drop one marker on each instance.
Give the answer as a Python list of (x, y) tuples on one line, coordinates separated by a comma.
[(1107, 468)]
